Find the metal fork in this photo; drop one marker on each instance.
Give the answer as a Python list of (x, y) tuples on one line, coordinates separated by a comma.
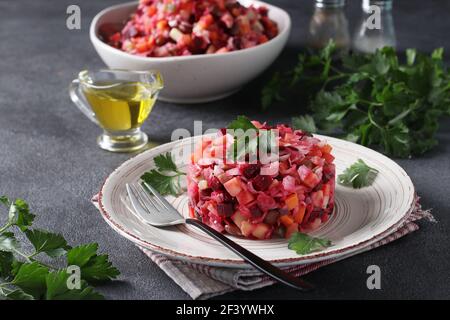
[(157, 211)]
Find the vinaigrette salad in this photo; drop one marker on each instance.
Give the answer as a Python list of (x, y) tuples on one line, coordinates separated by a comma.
[(162, 28), (261, 201)]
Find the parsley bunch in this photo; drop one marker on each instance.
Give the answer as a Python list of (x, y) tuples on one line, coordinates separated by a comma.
[(23, 276), (371, 99)]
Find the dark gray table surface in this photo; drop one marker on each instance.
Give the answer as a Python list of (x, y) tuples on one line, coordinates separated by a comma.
[(48, 154)]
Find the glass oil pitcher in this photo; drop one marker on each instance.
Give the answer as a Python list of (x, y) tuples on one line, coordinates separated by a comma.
[(119, 102)]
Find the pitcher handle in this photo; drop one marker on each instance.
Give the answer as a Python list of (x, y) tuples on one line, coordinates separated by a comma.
[(80, 101)]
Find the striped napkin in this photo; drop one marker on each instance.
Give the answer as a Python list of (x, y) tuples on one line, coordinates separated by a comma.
[(204, 282)]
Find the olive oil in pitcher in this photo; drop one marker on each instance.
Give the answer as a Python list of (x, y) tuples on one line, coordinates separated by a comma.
[(120, 106), (119, 101)]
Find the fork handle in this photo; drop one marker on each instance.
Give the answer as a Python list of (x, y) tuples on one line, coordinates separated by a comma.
[(254, 260)]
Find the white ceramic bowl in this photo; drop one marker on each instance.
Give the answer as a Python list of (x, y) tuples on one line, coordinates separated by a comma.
[(196, 78)]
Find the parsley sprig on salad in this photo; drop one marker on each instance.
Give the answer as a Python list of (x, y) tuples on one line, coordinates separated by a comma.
[(358, 175), (166, 177), (23, 274)]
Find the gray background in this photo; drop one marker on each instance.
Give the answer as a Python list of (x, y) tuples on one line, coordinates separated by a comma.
[(48, 154)]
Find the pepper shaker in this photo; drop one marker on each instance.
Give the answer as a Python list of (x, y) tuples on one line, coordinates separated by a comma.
[(329, 22), (376, 29)]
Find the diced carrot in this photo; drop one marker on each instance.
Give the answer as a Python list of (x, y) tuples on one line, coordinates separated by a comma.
[(326, 148), (300, 214), (208, 19), (263, 38), (151, 10), (292, 201), (191, 212), (151, 41), (162, 24), (141, 46), (286, 220), (328, 157), (291, 230)]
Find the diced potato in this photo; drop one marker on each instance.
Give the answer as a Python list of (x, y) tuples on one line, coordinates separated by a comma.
[(233, 186), (244, 197), (261, 231), (247, 228), (238, 218)]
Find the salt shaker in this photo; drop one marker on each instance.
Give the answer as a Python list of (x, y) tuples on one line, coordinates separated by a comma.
[(329, 22), (376, 29)]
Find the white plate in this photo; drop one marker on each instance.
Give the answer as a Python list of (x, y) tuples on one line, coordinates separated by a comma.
[(361, 216)]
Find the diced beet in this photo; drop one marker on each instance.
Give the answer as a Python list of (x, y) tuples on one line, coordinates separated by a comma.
[(205, 193), (225, 209), (272, 217), (214, 183), (265, 202), (262, 183), (227, 197), (255, 211), (245, 197), (281, 231), (250, 171)]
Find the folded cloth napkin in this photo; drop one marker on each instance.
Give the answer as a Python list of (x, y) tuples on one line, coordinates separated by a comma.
[(203, 282)]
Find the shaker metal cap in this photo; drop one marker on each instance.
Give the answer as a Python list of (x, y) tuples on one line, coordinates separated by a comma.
[(383, 4), (330, 3)]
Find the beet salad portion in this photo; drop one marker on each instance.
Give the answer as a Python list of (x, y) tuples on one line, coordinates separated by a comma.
[(263, 200)]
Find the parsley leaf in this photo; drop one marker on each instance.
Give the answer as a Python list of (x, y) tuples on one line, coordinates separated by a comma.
[(271, 92), (302, 243), (245, 138), (358, 175), (20, 215), (19, 294), (305, 123), (164, 184), (166, 178), (57, 288), (243, 123), (164, 162), (6, 261), (52, 244), (93, 267), (8, 242), (4, 200), (31, 279)]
